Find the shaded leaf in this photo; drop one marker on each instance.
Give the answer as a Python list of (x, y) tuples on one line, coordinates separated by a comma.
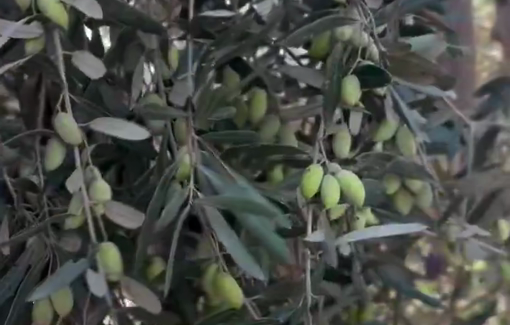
[(309, 76), (393, 277), (380, 232), (172, 207), (260, 229), (90, 65), (233, 244), (96, 283), (90, 8), (217, 13), (17, 29), (233, 137), (371, 76), (66, 274), (140, 295), (408, 169), (156, 112), (119, 128), (29, 282), (333, 84), (127, 15), (153, 211), (310, 30), (124, 215), (73, 182), (4, 234)]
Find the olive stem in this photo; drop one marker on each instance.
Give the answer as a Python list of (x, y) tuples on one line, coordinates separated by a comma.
[(77, 161)]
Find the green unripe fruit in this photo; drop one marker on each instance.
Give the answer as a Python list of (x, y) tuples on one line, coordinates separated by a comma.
[(156, 267), (424, 197), (359, 37), (373, 51), (110, 259), (181, 131), (333, 168), (75, 210), (100, 191), (74, 222), (344, 33), (330, 191), (503, 229), (184, 169), (55, 11), (337, 211), (415, 185), (350, 90), (227, 288), (269, 128), (403, 201), (287, 136), (152, 99), (157, 127), (91, 174), (320, 47), (63, 301), (258, 105), (98, 209), (352, 187), (208, 277), (368, 215), (405, 141), (385, 131), (311, 180), (173, 58), (66, 127), (342, 142), (24, 4), (207, 284), (361, 218), (35, 45), (391, 183), (276, 174), (230, 78), (241, 115), (54, 155), (42, 312)]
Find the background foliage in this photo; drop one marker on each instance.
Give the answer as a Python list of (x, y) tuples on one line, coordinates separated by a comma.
[(446, 263)]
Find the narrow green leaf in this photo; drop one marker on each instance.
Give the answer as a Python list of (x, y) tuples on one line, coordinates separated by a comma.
[(61, 278), (391, 277), (241, 197), (233, 244), (232, 137), (261, 229), (29, 282), (157, 112), (127, 15), (372, 76), (11, 280), (171, 209), (153, 211), (310, 30), (234, 203), (333, 83)]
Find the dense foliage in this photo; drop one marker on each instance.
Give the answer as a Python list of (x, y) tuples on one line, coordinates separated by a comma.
[(242, 162)]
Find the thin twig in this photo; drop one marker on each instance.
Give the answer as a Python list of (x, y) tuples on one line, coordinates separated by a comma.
[(77, 160)]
